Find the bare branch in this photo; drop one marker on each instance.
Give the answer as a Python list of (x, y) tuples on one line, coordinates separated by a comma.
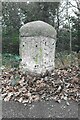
[(77, 5)]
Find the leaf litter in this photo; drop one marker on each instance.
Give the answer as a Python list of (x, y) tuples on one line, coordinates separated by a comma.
[(60, 84)]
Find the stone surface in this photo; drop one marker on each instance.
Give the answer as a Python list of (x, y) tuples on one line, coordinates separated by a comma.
[(37, 28), (37, 47)]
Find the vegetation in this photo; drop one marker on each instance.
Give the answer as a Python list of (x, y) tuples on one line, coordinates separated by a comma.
[(62, 60), (10, 61)]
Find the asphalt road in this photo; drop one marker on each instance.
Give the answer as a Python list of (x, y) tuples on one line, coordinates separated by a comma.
[(44, 109)]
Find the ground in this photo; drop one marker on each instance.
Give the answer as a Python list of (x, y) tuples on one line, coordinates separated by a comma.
[(54, 94), (42, 109)]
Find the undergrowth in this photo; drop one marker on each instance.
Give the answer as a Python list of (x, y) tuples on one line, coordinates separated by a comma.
[(62, 59)]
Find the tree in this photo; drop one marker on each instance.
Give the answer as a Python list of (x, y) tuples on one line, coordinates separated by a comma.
[(76, 24), (62, 26), (72, 21), (10, 26), (44, 11)]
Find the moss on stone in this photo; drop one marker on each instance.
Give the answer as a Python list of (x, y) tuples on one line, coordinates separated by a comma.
[(40, 52), (36, 59)]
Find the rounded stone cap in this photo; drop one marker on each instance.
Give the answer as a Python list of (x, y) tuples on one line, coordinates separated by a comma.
[(37, 28)]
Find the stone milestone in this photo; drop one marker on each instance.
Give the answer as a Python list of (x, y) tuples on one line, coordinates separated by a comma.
[(37, 47)]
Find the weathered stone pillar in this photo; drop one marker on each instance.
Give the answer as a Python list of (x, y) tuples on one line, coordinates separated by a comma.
[(37, 47)]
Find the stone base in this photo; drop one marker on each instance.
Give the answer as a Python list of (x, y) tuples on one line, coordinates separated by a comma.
[(36, 72)]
